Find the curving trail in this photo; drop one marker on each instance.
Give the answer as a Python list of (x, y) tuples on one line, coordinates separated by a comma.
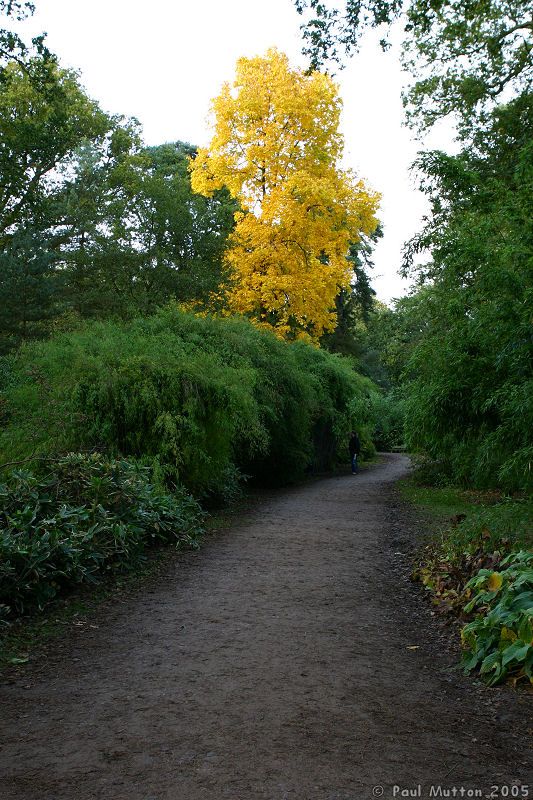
[(273, 664)]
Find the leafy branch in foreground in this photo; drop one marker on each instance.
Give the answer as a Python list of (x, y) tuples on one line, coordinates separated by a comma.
[(463, 54)]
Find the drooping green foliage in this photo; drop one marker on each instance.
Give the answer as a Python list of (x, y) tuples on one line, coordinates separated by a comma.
[(470, 389), (83, 517), (194, 397), (388, 413)]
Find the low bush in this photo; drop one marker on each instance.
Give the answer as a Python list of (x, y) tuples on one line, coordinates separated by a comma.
[(83, 517), (481, 564), (499, 641)]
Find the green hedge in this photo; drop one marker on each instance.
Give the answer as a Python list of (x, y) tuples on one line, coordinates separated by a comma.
[(196, 398)]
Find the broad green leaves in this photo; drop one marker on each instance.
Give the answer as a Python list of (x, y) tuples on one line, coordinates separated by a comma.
[(87, 516), (500, 639)]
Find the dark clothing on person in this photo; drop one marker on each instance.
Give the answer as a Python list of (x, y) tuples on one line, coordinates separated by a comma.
[(355, 445)]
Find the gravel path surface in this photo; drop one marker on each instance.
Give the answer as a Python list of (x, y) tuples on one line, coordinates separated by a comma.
[(277, 663)]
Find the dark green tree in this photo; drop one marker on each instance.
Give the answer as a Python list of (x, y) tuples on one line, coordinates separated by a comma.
[(30, 288), (354, 306), (40, 127), (470, 375), (44, 117), (91, 220), (134, 236)]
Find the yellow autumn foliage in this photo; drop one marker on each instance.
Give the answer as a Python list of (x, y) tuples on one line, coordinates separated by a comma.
[(277, 148), (507, 635), (494, 582)]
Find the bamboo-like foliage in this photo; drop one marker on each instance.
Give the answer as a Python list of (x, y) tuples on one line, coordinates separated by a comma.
[(194, 397)]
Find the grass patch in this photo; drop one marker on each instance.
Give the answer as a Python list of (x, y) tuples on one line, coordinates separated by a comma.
[(442, 502), (462, 517)]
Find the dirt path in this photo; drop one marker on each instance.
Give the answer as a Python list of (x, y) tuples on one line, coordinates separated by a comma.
[(273, 664)]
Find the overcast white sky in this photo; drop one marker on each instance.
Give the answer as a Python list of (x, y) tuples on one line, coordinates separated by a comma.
[(162, 61)]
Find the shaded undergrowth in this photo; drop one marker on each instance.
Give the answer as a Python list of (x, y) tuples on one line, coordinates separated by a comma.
[(477, 566)]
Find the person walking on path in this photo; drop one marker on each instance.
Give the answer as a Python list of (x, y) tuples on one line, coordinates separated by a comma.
[(355, 448)]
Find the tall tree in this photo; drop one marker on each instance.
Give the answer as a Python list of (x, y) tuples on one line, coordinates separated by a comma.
[(134, 234), (355, 304), (12, 47), (277, 147), (41, 124), (471, 371), (44, 116)]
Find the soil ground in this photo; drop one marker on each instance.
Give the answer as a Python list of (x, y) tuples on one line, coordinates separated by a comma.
[(290, 659)]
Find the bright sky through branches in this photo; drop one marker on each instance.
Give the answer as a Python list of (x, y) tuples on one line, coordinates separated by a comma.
[(163, 62)]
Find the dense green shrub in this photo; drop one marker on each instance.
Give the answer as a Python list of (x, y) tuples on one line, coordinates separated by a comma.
[(171, 400), (196, 398), (333, 389), (380, 419), (86, 515), (499, 641)]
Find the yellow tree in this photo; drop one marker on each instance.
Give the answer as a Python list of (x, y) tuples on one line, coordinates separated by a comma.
[(277, 148)]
